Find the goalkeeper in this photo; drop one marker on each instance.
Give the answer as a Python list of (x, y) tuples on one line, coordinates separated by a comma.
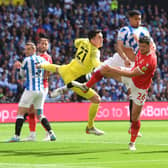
[(87, 58)]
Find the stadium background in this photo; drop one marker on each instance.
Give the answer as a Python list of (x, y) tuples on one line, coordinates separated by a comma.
[(73, 148), (62, 22)]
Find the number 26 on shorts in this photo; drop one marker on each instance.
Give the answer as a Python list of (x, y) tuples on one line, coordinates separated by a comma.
[(141, 97)]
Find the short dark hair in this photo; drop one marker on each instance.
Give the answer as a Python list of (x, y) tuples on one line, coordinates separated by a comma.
[(145, 39), (43, 38), (31, 44), (93, 33), (133, 12), (42, 35)]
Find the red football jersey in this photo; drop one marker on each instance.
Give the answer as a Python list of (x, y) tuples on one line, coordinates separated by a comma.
[(147, 64), (49, 59)]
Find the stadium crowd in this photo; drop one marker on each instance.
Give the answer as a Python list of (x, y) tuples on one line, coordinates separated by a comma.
[(62, 23)]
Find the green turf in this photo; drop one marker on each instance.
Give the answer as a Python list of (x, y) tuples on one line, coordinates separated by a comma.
[(75, 149)]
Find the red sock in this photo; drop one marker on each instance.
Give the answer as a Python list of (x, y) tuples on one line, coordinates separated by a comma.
[(135, 126), (32, 122), (96, 77)]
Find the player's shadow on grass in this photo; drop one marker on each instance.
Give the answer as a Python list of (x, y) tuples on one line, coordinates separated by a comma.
[(147, 152), (153, 152), (54, 152)]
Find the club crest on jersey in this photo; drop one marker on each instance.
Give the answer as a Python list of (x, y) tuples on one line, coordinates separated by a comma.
[(144, 68)]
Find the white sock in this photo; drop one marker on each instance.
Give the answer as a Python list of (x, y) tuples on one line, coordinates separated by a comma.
[(32, 133), (16, 136), (64, 88)]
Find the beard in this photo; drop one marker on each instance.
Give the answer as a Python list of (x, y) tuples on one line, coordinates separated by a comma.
[(42, 50)]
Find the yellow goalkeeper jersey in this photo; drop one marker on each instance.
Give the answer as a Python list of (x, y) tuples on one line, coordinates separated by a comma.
[(87, 58)]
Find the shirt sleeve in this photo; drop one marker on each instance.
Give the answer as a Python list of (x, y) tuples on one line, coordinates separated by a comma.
[(23, 66), (122, 34), (42, 60), (78, 41), (50, 60)]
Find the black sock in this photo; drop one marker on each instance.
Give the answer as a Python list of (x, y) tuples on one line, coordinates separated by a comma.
[(25, 116), (69, 85), (18, 126), (130, 109), (46, 124)]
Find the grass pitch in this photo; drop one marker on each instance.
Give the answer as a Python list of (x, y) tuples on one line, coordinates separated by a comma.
[(75, 149)]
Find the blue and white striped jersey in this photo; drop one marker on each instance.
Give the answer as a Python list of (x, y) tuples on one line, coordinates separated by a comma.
[(130, 36), (34, 76)]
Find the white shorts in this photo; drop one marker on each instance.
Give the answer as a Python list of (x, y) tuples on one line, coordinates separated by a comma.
[(37, 98), (116, 61), (137, 95)]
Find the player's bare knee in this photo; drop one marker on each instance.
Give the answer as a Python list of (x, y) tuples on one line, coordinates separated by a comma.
[(40, 117), (95, 99), (22, 110)]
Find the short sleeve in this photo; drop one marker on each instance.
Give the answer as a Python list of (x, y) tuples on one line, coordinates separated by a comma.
[(24, 63), (78, 41), (122, 34), (50, 60)]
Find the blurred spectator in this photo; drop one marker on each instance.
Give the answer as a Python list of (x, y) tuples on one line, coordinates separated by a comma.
[(114, 5), (1, 93), (106, 96), (62, 23), (114, 96)]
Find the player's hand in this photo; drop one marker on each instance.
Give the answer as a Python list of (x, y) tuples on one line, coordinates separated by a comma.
[(17, 65), (38, 66), (105, 70), (127, 62)]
